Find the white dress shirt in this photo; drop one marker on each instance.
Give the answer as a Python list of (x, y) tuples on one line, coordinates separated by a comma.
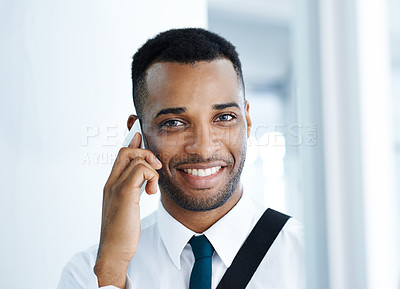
[(164, 258)]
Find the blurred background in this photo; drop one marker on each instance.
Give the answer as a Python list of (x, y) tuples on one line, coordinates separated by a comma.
[(323, 82)]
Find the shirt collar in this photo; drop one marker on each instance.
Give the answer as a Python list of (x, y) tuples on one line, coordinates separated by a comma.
[(174, 235), (226, 235)]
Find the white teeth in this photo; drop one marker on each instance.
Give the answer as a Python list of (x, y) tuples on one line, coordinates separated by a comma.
[(201, 172)]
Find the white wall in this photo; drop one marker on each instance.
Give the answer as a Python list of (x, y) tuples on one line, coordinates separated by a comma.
[(64, 73)]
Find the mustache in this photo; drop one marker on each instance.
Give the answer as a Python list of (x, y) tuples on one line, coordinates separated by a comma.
[(196, 159)]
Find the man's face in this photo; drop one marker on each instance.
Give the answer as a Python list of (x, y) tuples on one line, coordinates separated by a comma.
[(197, 123)]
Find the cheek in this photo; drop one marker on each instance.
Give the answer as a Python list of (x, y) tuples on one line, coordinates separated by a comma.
[(165, 148), (234, 137), (236, 143)]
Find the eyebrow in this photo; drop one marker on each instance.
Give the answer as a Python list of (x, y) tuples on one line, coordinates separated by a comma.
[(178, 110), (173, 110), (225, 105)]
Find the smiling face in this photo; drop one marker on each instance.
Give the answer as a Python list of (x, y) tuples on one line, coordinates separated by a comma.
[(197, 123)]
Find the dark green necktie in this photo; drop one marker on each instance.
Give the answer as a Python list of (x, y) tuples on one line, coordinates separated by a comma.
[(200, 278)]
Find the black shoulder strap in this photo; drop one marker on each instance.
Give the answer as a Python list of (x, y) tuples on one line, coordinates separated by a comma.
[(253, 250)]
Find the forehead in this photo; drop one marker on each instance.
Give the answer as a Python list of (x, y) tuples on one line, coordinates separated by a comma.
[(198, 85)]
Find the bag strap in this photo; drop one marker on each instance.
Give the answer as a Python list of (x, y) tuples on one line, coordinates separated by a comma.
[(253, 250)]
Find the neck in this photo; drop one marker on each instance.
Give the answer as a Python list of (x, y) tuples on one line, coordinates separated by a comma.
[(200, 221)]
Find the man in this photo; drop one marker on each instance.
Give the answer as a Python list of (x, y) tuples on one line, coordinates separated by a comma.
[(189, 97)]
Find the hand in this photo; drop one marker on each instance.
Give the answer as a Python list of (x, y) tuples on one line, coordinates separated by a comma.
[(120, 228)]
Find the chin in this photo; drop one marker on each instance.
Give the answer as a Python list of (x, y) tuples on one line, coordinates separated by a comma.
[(199, 200)]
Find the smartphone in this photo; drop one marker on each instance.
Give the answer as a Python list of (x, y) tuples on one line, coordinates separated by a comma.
[(134, 129)]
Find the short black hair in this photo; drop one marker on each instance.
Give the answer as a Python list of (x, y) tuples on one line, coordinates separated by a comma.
[(186, 45)]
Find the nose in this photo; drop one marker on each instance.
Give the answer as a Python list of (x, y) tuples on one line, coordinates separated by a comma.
[(202, 142)]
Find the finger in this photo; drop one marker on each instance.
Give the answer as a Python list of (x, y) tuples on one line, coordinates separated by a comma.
[(151, 186), (126, 155), (136, 141), (141, 173), (128, 170), (124, 184)]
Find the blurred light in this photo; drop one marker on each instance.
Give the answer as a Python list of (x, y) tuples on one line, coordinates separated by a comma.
[(252, 150), (272, 146)]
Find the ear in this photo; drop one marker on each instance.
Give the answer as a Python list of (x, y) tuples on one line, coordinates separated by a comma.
[(131, 120), (248, 119)]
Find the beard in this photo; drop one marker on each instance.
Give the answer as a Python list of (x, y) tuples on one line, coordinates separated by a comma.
[(206, 200)]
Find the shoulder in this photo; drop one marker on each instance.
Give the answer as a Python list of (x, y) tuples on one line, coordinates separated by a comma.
[(79, 269), (88, 257), (149, 232), (149, 221), (85, 258), (292, 226), (293, 232)]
